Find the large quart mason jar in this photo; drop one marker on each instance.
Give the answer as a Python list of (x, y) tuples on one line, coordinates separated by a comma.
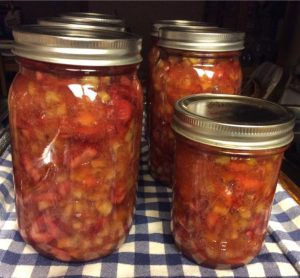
[(227, 159), (190, 62), (154, 51), (75, 112)]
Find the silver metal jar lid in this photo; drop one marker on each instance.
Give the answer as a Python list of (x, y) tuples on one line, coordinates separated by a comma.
[(92, 17), (216, 40), (233, 122), (177, 22), (67, 23), (76, 47)]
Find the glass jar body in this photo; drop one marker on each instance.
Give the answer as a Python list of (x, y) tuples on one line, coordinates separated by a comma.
[(177, 74), (222, 201), (75, 147)]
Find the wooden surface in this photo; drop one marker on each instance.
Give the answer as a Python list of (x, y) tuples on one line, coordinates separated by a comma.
[(290, 186)]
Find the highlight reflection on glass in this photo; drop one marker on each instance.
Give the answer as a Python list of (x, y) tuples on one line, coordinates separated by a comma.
[(203, 72), (83, 90)]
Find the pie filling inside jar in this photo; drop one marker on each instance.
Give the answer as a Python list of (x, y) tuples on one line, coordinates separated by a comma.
[(183, 69), (222, 202), (75, 145)]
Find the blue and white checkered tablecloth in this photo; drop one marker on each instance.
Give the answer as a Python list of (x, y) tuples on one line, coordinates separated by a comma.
[(149, 250)]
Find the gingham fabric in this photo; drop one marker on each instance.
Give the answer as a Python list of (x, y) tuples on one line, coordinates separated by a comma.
[(149, 250)]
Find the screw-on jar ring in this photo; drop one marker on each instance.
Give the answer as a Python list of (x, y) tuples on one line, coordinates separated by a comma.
[(67, 23), (76, 47), (88, 15), (179, 23), (233, 122), (92, 17), (193, 39)]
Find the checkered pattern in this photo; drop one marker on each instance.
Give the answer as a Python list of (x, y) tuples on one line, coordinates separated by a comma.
[(149, 250)]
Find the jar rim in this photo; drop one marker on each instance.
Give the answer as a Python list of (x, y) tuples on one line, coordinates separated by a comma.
[(179, 23), (233, 122), (92, 17), (193, 39), (81, 25), (88, 14), (76, 47)]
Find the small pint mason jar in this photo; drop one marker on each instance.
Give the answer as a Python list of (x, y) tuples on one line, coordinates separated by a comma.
[(75, 112), (190, 62), (80, 25), (227, 159)]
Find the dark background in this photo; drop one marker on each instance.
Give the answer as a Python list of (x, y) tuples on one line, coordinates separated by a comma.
[(271, 26)]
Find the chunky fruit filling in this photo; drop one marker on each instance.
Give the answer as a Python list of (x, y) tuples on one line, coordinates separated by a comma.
[(222, 202), (176, 75), (75, 138)]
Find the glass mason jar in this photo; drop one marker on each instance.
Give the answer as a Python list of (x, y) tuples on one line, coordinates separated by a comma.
[(228, 156), (75, 112), (80, 25), (154, 51), (190, 62), (153, 54)]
